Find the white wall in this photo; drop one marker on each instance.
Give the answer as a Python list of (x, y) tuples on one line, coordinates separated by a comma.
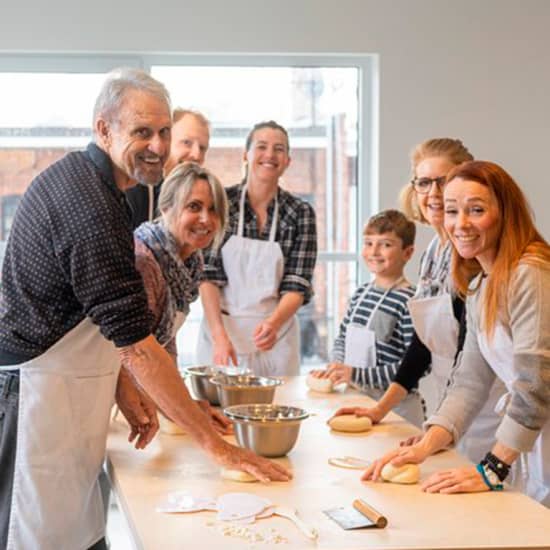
[(475, 69)]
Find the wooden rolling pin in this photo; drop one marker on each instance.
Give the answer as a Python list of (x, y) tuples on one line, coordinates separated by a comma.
[(376, 517)]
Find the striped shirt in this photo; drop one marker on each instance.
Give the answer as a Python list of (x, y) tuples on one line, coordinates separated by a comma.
[(393, 328), (296, 235)]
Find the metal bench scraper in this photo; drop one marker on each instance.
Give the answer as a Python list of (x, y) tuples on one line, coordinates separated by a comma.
[(358, 516)]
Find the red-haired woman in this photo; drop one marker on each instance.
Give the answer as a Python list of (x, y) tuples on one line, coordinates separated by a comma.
[(508, 337)]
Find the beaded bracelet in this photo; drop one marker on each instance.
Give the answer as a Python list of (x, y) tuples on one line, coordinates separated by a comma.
[(481, 469)]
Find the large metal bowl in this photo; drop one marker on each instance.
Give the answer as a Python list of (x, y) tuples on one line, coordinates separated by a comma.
[(244, 389), (200, 382), (268, 430)]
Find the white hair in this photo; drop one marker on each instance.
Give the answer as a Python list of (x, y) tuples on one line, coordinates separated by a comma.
[(118, 83)]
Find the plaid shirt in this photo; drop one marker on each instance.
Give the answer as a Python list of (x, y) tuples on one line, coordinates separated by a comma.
[(296, 234)]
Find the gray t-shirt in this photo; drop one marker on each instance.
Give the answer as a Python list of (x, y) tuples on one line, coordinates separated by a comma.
[(527, 321)]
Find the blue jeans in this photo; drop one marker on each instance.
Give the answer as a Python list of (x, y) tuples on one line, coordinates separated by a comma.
[(9, 406)]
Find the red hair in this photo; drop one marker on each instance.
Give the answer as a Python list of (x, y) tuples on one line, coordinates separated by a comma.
[(518, 238)]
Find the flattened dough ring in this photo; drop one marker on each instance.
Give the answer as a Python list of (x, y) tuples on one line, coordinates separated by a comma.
[(350, 423)]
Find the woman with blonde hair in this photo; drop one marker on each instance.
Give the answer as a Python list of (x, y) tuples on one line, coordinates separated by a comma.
[(508, 338), (193, 215), (436, 308)]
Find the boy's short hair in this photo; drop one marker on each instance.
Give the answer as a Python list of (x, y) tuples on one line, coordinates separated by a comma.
[(392, 220)]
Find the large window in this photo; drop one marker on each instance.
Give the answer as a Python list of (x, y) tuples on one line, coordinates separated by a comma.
[(326, 104)]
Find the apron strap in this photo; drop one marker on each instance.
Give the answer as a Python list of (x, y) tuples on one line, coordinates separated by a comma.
[(377, 305), (240, 229), (273, 229), (10, 368)]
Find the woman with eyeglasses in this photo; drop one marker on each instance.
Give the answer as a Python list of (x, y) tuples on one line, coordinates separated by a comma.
[(501, 264), (193, 215), (436, 309)]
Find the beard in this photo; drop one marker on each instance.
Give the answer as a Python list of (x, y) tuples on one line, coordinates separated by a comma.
[(149, 176)]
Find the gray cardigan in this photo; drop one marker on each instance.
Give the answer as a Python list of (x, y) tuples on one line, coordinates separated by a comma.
[(528, 321)]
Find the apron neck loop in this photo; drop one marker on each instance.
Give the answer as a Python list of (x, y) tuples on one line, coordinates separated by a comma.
[(272, 231), (363, 294), (240, 229)]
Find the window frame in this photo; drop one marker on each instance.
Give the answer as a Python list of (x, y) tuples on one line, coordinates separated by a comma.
[(368, 107)]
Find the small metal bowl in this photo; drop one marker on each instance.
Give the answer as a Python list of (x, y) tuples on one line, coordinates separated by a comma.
[(201, 383), (268, 430), (244, 389)]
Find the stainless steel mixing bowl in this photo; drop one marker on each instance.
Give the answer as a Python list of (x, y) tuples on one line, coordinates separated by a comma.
[(268, 430), (203, 388), (243, 389)]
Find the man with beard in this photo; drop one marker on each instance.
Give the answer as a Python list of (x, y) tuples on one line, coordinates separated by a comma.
[(190, 141), (72, 311)]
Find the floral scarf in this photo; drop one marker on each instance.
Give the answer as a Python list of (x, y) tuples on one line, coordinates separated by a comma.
[(182, 276)]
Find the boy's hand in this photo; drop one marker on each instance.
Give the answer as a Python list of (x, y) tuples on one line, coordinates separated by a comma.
[(338, 373)]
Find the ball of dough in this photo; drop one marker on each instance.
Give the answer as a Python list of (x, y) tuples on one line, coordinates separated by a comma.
[(323, 385), (350, 423), (237, 475), (408, 473), (168, 427)]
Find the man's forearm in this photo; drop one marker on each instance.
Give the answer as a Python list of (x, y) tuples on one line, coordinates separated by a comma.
[(156, 372)]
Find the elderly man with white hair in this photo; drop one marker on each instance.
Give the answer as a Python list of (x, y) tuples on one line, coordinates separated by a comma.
[(72, 310)]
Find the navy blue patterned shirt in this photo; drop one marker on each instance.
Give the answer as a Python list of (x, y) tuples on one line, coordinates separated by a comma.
[(296, 235), (70, 255)]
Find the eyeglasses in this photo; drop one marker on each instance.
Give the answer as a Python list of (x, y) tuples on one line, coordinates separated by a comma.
[(424, 185)]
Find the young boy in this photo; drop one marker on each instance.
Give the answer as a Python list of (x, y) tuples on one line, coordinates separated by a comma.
[(377, 328)]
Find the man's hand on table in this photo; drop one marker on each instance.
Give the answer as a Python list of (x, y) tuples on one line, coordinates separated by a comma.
[(237, 458), (219, 421), (138, 409)]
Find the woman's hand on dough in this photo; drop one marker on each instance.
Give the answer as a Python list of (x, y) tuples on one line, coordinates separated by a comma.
[(339, 373), (398, 457), (457, 480), (265, 335), (237, 458), (219, 421), (372, 412)]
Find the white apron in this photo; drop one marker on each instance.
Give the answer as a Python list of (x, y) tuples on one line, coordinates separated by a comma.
[(360, 351), (530, 473), (65, 397), (436, 326), (254, 270), (438, 329)]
